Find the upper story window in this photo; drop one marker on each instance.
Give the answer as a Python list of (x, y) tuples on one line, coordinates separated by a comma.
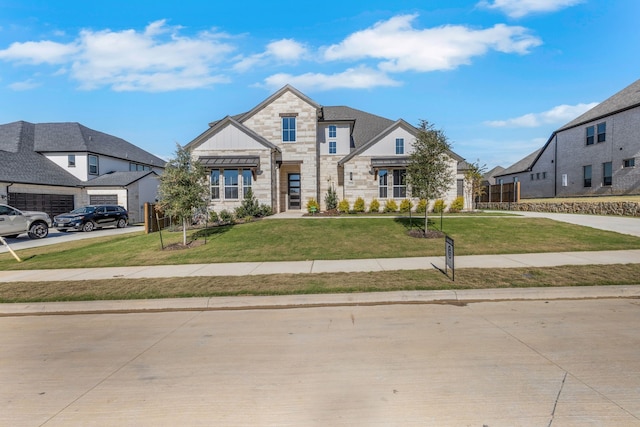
[(590, 135), (607, 173), (288, 129), (602, 131), (93, 164), (138, 167), (332, 147), (332, 131), (399, 145), (629, 163), (586, 172), (71, 160)]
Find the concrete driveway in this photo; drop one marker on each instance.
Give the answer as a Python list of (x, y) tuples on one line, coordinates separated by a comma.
[(24, 242), (518, 363)]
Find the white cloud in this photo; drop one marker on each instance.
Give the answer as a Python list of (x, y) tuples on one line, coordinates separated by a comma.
[(557, 115), (157, 59), (520, 8), (286, 51), (43, 52), (25, 85), (353, 78), (401, 47)]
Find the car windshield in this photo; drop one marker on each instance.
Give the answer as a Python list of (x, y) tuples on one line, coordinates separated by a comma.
[(85, 210)]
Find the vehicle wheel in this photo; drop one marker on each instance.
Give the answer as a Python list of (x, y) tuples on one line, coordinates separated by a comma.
[(121, 223), (88, 226), (38, 230), (13, 236)]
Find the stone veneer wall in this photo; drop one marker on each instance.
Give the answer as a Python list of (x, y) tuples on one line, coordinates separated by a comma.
[(593, 208)]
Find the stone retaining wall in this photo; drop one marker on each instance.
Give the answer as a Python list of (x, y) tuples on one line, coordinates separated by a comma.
[(593, 208)]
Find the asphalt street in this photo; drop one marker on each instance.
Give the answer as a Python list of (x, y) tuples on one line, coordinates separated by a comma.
[(511, 363)]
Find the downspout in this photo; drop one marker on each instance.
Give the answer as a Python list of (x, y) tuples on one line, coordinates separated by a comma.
[(7, 191), (555, 166)]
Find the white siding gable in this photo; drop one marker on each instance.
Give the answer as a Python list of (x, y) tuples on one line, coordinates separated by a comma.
[(230, 138), (342, 139), (387, 145)]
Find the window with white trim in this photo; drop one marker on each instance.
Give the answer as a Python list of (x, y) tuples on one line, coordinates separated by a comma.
[(333, 131), (399, 183), (332, 147), (246, 181), (399, 145), (288, 129), (215, 184), (231, 184), (93, 164), (383, 180)]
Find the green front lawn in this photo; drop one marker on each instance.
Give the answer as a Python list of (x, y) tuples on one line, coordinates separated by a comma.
[(331, 238)]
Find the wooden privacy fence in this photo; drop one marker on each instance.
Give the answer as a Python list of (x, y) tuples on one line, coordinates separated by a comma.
[(500, 193), (154, 220)]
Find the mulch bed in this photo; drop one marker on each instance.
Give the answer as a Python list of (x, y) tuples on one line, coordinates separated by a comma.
[(431, 234), (179, 246)]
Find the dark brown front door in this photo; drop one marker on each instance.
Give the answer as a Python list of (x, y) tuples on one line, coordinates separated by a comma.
[(294, 191)]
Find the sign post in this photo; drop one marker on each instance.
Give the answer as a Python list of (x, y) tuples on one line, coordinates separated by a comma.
[(4, 242), (449, 254)]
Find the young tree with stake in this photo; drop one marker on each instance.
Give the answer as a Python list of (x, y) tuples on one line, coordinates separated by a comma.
[(429, 172), (183, 189)]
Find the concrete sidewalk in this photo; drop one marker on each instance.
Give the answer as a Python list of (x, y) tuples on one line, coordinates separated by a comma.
[(325, 266)]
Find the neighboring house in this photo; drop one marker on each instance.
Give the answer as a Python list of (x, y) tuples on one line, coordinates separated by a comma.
[(55, 167), (289, 149), (593, 155), (489, 178)]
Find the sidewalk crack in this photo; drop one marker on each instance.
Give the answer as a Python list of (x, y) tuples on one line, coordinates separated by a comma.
[(555, 405)]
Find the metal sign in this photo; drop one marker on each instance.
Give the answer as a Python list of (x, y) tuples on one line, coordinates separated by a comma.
[(449, 255)]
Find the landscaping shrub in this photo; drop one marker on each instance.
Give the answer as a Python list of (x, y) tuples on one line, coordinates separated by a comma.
[(249, 206), (331, 199), (265, 210), (405, 205), (213, 216), (390, 206), (358, 206), (457, 205), (311, 204), (374, 206), (438, 206), (226, 217), (422, 206), (343, 206)]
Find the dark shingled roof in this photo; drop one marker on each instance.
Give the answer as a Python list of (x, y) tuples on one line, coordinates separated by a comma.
[(21, 164), (118, 179), (367, 126), (62, 137), (627, 98), (21, 145), (521, 165)]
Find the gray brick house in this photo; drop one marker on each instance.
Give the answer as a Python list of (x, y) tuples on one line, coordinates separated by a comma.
[(55, 167), (592, 155), (289, 149)]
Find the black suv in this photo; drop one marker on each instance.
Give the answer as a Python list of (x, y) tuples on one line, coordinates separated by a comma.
[(89, 218)]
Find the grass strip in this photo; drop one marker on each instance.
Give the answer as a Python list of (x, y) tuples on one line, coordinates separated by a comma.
[(291, 284)]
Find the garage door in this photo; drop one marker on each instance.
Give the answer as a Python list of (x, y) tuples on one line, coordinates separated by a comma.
[(103, 199), (53, 204)]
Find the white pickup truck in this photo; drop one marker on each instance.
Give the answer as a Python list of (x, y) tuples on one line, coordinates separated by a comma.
[(14, 222)]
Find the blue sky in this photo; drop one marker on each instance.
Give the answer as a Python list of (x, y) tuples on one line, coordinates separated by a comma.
[(498, 76)]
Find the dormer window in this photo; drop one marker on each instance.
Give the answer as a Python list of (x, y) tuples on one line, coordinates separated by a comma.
[(71, 161)]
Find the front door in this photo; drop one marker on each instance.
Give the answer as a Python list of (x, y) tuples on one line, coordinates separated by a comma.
[(294, 191)]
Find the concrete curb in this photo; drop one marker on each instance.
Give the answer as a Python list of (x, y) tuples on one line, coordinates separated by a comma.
[(455, 297)]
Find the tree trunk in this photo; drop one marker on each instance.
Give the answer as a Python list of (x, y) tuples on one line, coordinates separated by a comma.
[(184, 231), (426, 221)]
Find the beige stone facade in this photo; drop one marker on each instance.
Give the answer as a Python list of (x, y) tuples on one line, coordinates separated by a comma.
[(303, 150)]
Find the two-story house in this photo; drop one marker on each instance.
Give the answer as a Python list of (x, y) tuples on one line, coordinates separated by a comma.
[(592, 155), (55, 167), (289, 149)]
